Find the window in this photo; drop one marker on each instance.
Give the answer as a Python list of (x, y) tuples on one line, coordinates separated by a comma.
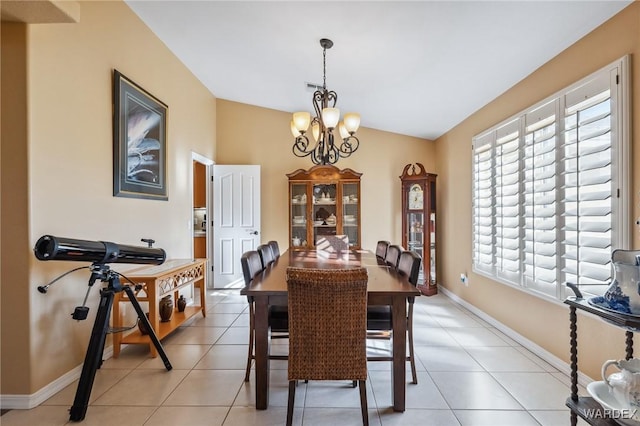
[(551, 189)]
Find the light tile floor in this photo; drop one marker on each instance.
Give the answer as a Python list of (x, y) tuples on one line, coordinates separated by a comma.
[(469, 373)]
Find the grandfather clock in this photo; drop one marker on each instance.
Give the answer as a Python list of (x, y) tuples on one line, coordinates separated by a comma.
[(419, 222)]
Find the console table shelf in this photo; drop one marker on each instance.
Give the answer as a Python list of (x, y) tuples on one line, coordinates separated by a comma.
[(580, 405), (157, 282)]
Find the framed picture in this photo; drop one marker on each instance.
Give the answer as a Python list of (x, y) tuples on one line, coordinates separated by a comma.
[(139, 141)]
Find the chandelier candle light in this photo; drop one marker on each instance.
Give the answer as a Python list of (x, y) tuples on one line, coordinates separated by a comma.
[(325, 151)]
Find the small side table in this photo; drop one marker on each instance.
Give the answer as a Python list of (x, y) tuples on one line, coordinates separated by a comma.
[(158, 281)]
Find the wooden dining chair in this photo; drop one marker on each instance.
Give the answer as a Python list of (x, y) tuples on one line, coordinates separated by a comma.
[(327, 328), (381, 249), (380, 319), (266, 255), (393, 255), (409, 265), (278, 315), (275, 249)]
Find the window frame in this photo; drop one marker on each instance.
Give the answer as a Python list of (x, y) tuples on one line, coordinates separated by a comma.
[(621, 184)]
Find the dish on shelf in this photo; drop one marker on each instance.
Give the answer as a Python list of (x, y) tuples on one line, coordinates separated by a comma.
[(600, 392), (617, 307), (318, 222)]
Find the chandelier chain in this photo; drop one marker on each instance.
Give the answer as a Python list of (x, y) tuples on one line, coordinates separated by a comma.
[(324, 68)]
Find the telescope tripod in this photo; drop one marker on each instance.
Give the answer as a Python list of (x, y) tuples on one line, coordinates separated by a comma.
[(93, 357)]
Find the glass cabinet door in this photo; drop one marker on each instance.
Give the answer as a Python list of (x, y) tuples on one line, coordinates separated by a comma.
[(298, 215), (324, 214), (432, 240), (350, 212), (415, 238)]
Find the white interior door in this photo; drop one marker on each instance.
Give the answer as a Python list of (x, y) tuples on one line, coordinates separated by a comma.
[(236, 219)]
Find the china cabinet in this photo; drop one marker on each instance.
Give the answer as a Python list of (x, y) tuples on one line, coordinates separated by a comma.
[(419, 222), (323, 200)]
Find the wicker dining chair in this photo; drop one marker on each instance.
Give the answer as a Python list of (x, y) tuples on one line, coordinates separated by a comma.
[(266, 255), (327, 328), (393, 255), (381, 249), (380, 319), (278, 315)]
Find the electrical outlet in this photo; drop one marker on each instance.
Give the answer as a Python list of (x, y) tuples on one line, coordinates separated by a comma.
[(464, 279)]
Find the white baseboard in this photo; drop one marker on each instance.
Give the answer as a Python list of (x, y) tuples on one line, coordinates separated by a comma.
[(547, 356), (33, 400), (26, 402)]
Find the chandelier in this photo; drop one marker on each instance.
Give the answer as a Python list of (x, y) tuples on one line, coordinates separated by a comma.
[(325, 150)]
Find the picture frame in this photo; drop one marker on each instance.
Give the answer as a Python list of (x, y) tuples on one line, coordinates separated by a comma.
[(139, 141)]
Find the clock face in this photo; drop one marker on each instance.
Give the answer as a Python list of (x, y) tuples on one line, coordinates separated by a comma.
[(416, 201)]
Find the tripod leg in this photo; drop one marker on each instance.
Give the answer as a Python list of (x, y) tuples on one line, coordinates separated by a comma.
[(93, 357), (145, 320)]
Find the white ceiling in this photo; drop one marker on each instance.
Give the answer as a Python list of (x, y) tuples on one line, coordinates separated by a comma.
[(411, 67)]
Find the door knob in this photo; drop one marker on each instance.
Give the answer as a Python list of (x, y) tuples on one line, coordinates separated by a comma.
[(254, 233)]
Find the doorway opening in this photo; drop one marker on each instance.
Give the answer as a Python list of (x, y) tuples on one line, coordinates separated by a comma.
[(202, 207)]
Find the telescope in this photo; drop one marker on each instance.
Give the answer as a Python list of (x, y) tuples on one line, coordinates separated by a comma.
[(49, 247), (100, 253)]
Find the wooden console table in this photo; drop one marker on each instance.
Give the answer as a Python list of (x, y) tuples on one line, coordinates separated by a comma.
[(157, 282)]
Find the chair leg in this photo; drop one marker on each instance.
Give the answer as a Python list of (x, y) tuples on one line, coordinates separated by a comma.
[(412, 357), (251, 338), (363, 402), (292, 398)]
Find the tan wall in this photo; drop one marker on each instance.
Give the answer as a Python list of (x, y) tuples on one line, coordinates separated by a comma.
[(253, 135), (14, 213), (545, 323), (65, 182)]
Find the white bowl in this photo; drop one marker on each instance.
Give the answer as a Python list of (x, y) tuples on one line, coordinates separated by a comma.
[(600, 392)]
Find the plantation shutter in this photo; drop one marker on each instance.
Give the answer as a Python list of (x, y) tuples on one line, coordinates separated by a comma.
[(551, 189), (507, 201), (540, 267), (483, 203), (588, 185)]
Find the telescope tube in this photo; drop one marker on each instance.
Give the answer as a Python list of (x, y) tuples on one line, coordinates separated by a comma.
[(49, 247)]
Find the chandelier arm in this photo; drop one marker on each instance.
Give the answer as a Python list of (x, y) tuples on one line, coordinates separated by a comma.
[(300, 146), (332, 97), (332, 153), (347, 147), (318, 104), (318, 152)]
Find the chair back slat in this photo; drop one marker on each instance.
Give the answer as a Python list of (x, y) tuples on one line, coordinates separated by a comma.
[(393, 255), (327, 323), (381, 249), (251, 265), (275, 248), (266, 254), (409, 265)]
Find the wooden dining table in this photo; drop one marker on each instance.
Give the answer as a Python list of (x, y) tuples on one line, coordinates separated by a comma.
[(385, 287)]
